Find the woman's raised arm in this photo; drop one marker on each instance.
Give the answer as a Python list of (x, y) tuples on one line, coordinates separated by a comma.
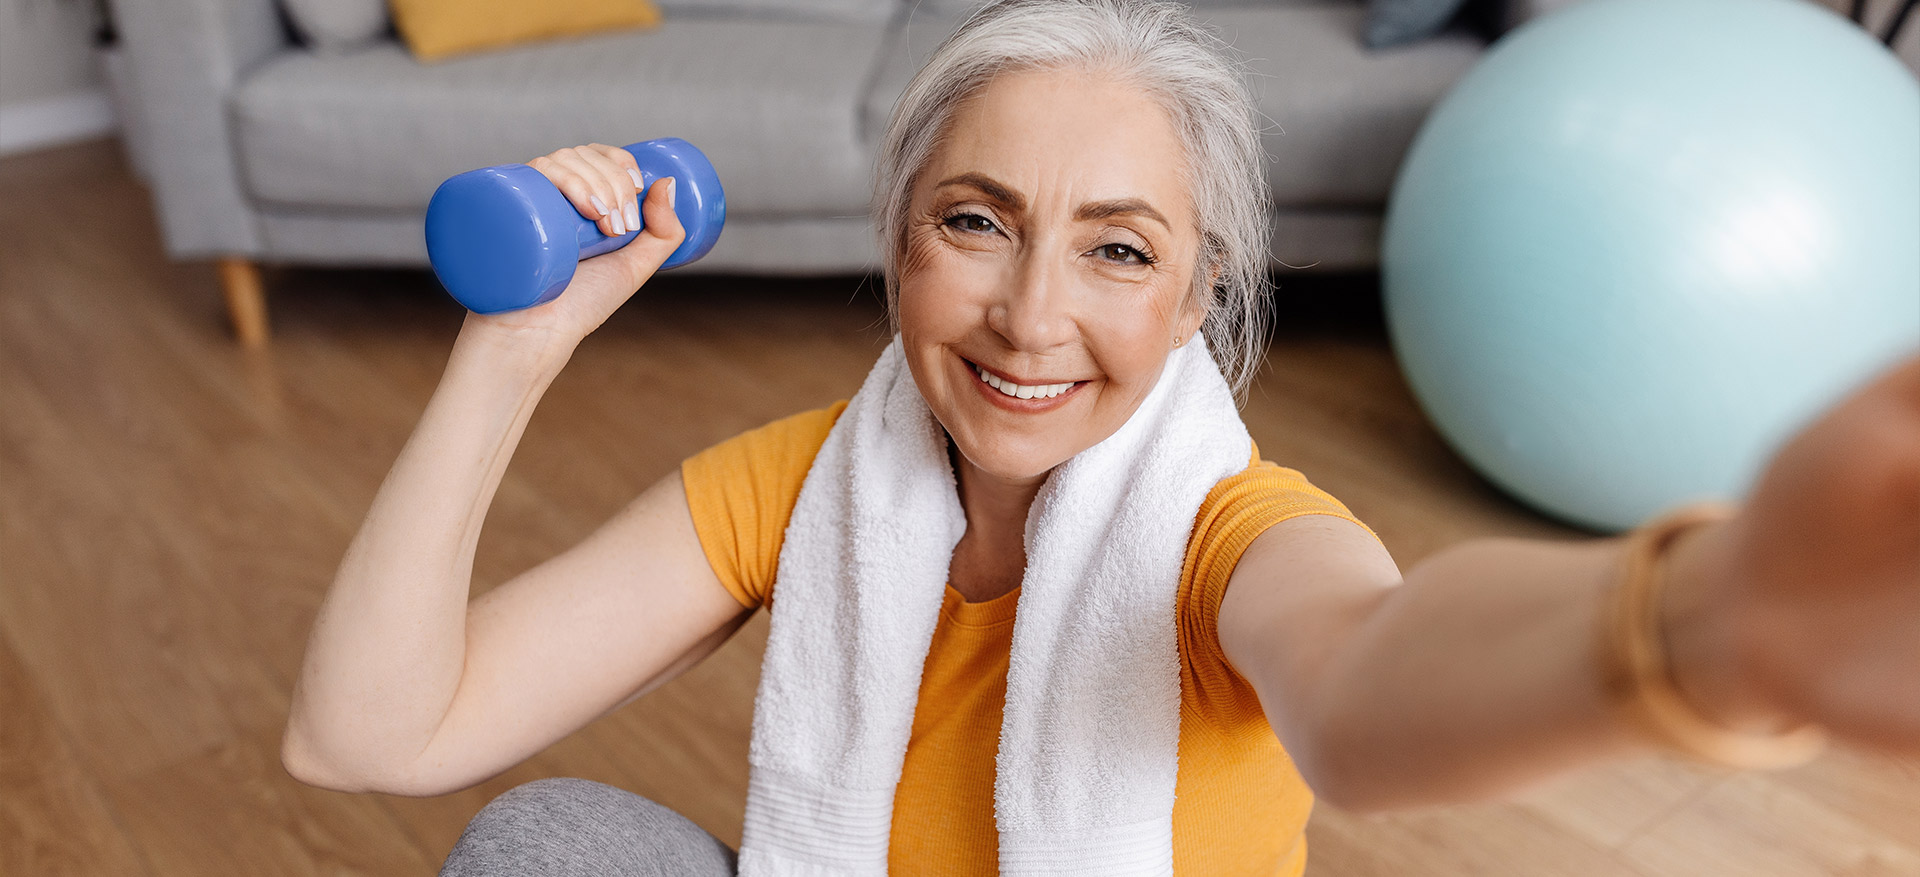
[(405, 687), (1482, 670)]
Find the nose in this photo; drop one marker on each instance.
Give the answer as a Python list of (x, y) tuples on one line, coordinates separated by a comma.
[(1032, 311)]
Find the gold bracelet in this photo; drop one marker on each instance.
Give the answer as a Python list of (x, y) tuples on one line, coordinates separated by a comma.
[(1638, 674)]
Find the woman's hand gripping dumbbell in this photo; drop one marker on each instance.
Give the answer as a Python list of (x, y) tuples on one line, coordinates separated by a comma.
[(593, 221)]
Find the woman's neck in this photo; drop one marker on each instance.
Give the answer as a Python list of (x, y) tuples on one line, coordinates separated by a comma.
[(991, 557)]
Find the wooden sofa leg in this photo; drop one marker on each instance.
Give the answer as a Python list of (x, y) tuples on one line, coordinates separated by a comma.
[(246, 299)]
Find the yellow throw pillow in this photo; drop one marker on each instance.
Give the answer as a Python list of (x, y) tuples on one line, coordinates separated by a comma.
[(436, 29)]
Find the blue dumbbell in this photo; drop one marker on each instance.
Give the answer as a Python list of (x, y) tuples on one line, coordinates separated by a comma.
[(503, 238)]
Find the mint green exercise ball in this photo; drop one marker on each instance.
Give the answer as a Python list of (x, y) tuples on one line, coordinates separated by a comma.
[(1644, 241)]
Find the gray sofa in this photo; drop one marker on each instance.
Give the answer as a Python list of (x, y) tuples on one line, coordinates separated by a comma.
[(259, 149)]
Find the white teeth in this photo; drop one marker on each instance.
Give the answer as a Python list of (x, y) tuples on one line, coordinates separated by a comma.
[(1042, 391)]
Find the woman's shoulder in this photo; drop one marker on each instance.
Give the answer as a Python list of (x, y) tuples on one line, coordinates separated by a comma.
[(742, 492), (797, 435), (1236, 511), (1261, 495)]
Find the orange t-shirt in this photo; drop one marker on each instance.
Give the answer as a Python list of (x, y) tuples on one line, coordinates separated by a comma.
[(1240, 807)]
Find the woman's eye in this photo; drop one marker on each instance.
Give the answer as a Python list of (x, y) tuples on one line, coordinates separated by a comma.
[(970, 222), (1122, 253)]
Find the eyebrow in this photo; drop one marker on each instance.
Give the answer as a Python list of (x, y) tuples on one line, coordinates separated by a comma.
[(988, 185), (1103, 209), (1088, 211)]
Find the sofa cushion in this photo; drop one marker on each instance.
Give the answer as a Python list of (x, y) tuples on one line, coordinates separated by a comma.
[(439, 29), (1339, 116), (842, 10), (952, 7), (338, 25), (773, 104)]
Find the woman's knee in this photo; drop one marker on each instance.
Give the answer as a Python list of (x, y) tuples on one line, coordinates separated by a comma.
[(568, 827)]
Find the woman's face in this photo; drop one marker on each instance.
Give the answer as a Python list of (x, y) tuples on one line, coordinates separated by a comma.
[(1049, 254)]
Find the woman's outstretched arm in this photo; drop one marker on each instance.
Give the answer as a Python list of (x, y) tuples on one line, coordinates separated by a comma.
[(407, 689), (1481, 670)]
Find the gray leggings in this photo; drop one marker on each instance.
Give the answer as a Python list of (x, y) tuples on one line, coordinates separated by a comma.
[(578, 828)]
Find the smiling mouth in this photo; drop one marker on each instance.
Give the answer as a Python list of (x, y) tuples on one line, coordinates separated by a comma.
[(1021, 391)]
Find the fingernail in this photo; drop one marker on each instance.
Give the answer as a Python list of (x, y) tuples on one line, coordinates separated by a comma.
[(636, 179), (633, 215), (598, 204), (672, 186), (619, 228)]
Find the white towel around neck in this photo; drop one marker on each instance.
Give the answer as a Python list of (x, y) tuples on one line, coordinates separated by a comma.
[(1084, 782)]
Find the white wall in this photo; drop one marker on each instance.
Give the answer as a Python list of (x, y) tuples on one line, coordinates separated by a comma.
[(50, 87)]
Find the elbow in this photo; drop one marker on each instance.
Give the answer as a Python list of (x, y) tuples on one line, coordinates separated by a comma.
[(302, 761), (309, 764)]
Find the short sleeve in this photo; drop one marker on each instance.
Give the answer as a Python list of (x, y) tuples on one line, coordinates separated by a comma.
[(742, 492), (1235, 513)]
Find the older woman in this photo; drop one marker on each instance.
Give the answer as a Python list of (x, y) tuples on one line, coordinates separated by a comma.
[(1042, 607)]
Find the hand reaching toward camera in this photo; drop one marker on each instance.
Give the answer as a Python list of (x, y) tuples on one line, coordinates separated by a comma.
[(1806, 607)]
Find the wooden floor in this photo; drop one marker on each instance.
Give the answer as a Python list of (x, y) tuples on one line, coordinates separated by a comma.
[(172, 507)]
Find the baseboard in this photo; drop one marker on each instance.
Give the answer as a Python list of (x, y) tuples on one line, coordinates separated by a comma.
[(35, 124)]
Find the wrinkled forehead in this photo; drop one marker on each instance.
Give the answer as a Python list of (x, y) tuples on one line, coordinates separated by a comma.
[(1058, 137)]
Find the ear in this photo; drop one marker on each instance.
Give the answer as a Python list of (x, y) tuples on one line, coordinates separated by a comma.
[(1194, 314)]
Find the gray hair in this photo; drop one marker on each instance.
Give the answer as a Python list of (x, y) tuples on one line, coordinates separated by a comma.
[(1158, 46)]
